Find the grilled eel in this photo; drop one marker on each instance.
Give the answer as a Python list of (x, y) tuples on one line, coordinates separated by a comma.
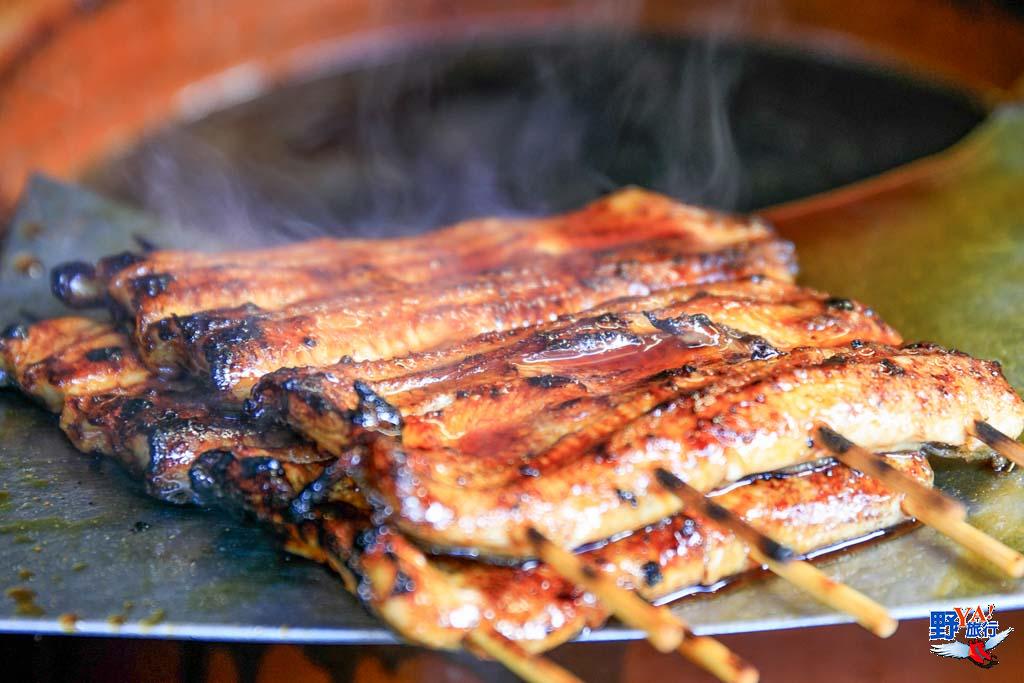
[(233, 348), (166, 284), (720, 427), (437, 600), (433, 601), (523, 395), (110, 403)]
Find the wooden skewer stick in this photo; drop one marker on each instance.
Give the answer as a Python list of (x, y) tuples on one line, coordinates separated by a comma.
[(875, 466), (1002, 444), (1008, 560), (530, 668), (664, 630), (717, 659), (783, 562), (950, 524)]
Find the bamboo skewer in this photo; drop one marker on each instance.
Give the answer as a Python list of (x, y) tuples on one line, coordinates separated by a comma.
[(1002, 444), (875, 466), (665, 631), (783, 562), (939, 517), (529, 667)]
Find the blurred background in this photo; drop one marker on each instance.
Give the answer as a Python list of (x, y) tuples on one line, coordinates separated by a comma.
[(272, 121)]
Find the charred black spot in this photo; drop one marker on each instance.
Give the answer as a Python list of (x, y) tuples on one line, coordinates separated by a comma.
[(716, 512), (836, 360), (207, 472), (591, 342), (609, 319), (366, 539), (15, 331), (317, 402), (259, 466), (346, 360), (774, 550), (374, 413), (461, 393), (652, 573), (315, 492), (992, 437), (839, 303), (254, 410), (891, 368), (549, 381), (535, 537), (151, 285), (107, 353), (110, 265), (688, 529), (684, 326), (75, 284), (856, 344), (165, 330), (220, 350), (194, 327), (133, 406), (760, 349), (239, 333), (588, 571), (529, 471), (309, 341), (403, 584), (627, 497), (834, 441)]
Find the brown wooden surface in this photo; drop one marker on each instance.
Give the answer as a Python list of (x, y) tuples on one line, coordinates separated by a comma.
[(81, 79)]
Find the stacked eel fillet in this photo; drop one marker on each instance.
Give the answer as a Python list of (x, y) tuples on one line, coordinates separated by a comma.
[(405, 410)]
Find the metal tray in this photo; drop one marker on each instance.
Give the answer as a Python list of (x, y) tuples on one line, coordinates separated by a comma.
[(937, 247)]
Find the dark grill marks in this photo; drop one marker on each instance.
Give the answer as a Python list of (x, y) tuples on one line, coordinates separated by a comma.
[(839, 304), (652, 574), (302, 506), (258, 481), (374, 413), (151, 285), (890, 368), (15, 331), (532, 299), (721, 412), (549, 381), (109, 353)]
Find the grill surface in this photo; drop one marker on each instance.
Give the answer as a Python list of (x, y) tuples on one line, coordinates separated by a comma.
[(93, 543)]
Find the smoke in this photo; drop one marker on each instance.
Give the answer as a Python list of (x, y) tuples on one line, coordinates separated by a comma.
[(439, 132)]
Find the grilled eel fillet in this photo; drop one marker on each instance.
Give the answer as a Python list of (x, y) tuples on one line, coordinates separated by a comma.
[(434, 601), (165, 284), (525, 394), (110, 403), (437, 600), (628, 244), (757, 416), (232, 349)]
